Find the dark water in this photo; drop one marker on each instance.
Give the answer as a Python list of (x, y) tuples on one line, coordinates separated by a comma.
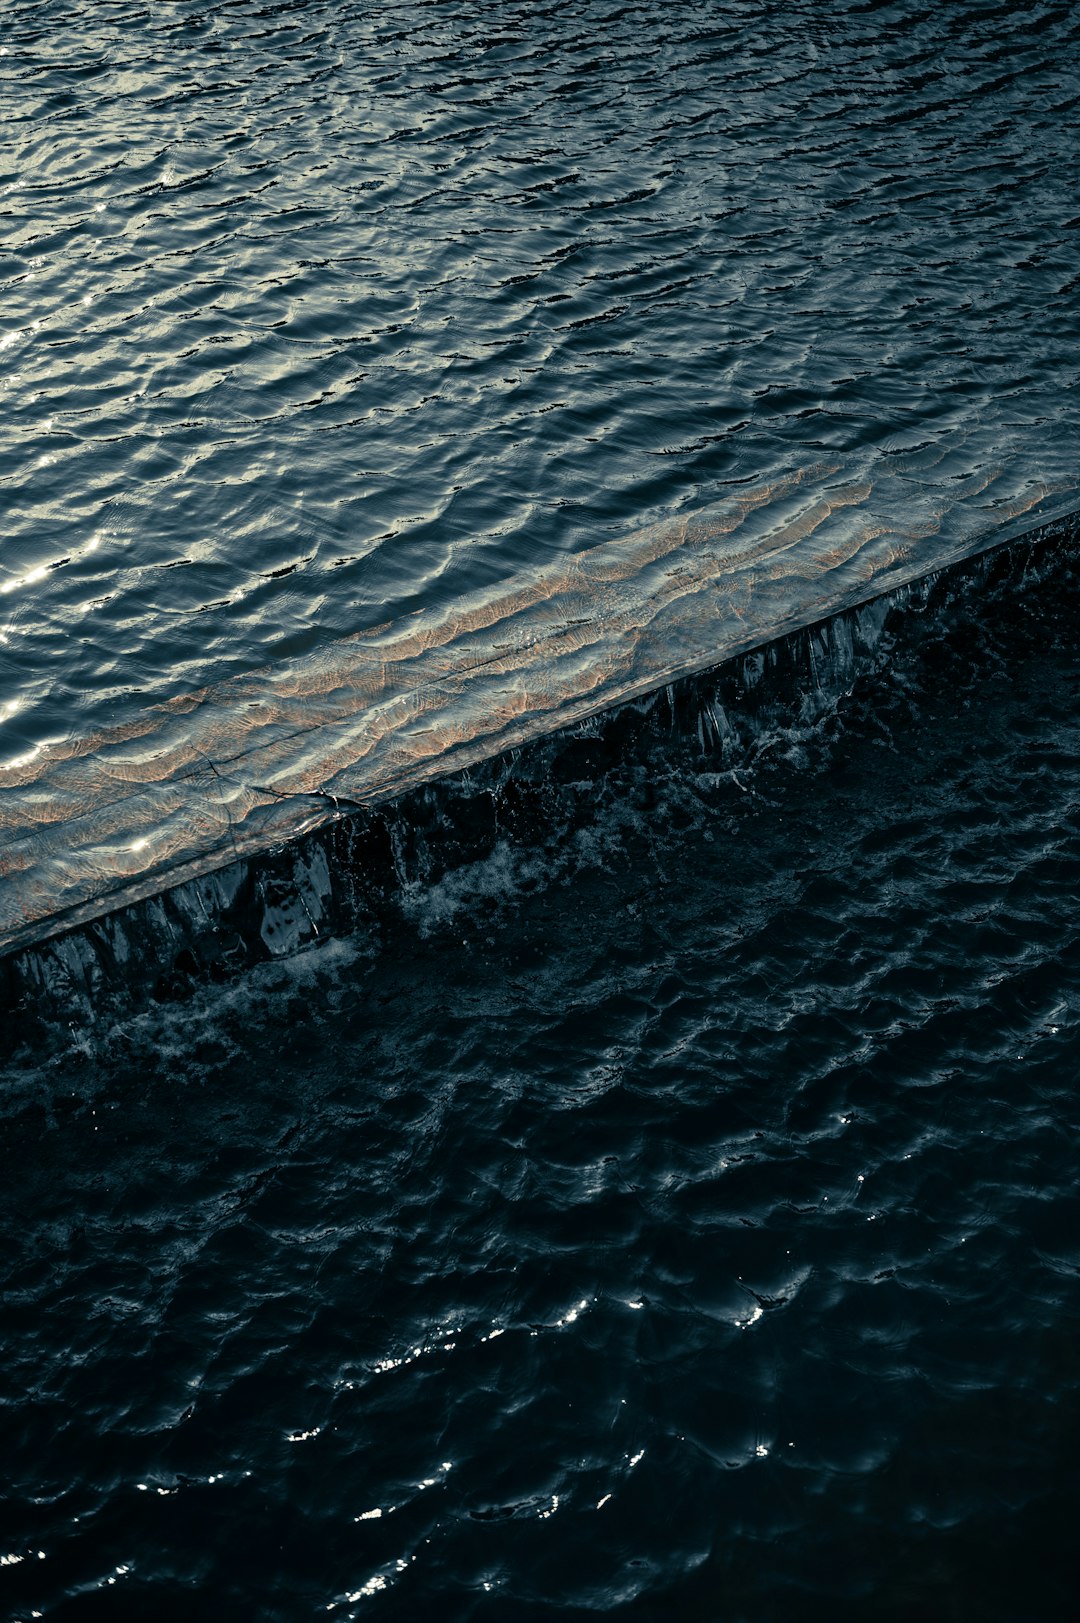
[(673, 1214)]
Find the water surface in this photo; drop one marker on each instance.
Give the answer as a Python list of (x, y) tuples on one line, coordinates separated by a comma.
[(672, 1213), (316, 314)]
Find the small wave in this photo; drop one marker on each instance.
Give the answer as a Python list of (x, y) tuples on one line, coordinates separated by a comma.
[(208, 781), (525, 819)]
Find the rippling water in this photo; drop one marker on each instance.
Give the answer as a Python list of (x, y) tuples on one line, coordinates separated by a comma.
[(673, 1212), (318, 313), (673, 1215)]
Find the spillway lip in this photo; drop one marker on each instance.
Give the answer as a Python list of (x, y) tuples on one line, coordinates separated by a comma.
[(183, 789)]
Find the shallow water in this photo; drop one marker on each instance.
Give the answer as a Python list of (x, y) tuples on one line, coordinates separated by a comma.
[(671, 1213)]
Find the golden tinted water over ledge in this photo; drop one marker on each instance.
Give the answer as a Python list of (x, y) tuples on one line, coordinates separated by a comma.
[(92, 824)]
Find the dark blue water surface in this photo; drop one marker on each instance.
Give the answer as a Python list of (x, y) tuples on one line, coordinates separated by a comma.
[(673, 1212), (672, 1215)]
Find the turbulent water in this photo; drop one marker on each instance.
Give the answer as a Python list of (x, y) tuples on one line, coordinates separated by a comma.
[(671, 1215), (661, 1201)]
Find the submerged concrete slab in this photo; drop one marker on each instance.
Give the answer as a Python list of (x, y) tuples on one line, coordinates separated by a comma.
[(184, 788)]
